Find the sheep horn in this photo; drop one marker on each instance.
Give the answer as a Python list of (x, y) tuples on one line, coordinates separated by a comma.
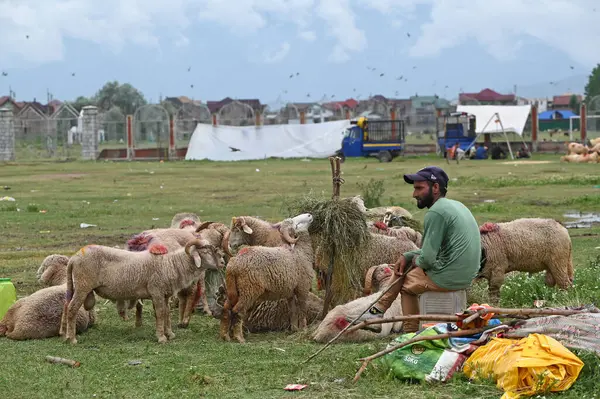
[(225, 244), (203, 226), (369, 280), (285, 233), (194, 243)]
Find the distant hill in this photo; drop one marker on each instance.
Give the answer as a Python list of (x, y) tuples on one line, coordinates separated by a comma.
[(574, 84)]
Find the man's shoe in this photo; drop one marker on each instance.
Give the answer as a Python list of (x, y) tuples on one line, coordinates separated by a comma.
[(370, 314)]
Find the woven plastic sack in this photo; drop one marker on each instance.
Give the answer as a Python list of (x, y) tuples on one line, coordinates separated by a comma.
[(532, 365), (425, 360)]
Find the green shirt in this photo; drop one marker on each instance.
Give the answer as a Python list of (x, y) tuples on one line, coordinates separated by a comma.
[(451, 249)]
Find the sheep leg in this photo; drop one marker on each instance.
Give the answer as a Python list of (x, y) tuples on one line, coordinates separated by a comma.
[(183, 300), (138, 312), (495, 283), (560, 275), (122, 310), (158, 302), (549, 279), (293, 314), (225, 321), (168, 330), (72, 309), (301, 303), (238, 313), (202, 288)]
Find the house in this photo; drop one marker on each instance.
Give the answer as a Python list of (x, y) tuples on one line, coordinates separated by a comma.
[(564, 101), (542, 103), (10, 103), (236, 112), (425, 109), (487, 97)]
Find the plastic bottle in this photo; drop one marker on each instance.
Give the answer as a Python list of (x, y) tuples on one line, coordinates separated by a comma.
[(8, 295)]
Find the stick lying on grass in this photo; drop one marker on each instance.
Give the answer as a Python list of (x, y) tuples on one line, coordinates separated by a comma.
[(62, 360), (460, 333)]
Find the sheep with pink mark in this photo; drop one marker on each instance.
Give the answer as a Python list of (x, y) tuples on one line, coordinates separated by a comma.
[(528, 245), (117, 274), (377, 278), (404, 232)]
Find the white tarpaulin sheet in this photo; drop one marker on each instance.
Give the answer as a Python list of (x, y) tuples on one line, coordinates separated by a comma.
[(315, 140), (513, 117)]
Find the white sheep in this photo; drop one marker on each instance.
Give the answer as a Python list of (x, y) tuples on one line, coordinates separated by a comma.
[(38, 315), (247, 230), (527, 245), (259, 273), (53, 270), (337, 318), (185, 221), (117, 274), (399, 232)]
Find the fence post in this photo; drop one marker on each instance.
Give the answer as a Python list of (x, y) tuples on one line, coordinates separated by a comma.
[(7, 135), (214, 119), (393, 119), (534, 127), (130, 149), (583, 122), (89, 133), (302, 117), (172, 149), (257, 116)]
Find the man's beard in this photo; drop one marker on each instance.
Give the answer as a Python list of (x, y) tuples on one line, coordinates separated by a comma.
[(427, 201)]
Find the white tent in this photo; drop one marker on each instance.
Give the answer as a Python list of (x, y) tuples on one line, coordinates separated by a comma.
[(236, 143), (501, 119)]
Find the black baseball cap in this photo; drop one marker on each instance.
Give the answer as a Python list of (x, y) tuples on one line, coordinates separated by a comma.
[(430, 173)]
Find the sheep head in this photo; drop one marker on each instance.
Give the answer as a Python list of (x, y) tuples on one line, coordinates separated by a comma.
[(297, 224), (379, 274), (239, 232), (204, 254)]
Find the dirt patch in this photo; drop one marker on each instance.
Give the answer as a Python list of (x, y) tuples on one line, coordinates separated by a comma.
[(61, 176), (525, 162)]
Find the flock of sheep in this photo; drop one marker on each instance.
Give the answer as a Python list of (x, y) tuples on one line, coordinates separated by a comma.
[(256, 276), (581, 153)]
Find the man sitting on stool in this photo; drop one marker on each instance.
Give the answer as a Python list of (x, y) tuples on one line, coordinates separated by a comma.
[(451, 251)]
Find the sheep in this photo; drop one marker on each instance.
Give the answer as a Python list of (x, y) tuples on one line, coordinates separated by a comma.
[(185, 221), (260, 273), (53, 270), (576, 148), (188, 298), (247, 230), (595, 142), (377, 250), (400, 232), (38, 315), (337, 318), (527, 245), (118, 274), (270, 315)]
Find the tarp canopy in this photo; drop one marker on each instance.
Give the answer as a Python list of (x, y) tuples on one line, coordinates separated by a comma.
[(236, 143), (556, 114), (501, 118)]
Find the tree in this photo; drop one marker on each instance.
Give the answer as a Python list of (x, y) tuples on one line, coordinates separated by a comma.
[(574, 104), (81, 102), (592, 88), (124, 96)]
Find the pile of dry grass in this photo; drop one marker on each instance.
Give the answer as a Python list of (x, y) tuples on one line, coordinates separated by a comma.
[(339, 230)]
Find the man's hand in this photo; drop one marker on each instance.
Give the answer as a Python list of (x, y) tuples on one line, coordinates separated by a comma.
[(400, 266)]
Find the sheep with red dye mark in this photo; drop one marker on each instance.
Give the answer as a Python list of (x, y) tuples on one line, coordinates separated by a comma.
[(247, 230), (528, 245), (53, 270), (269, 274), (185, 220), (377, 278), (118, 274), (38, 315), (399, 232)]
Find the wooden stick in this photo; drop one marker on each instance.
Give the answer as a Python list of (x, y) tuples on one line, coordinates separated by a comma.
[(425, 317), (524, 312), (460, 333), (61, 360)]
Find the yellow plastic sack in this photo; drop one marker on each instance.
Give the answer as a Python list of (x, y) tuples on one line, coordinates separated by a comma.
[(532, 365)]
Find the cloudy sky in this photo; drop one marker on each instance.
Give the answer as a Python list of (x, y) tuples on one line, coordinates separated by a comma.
[(250, 48)]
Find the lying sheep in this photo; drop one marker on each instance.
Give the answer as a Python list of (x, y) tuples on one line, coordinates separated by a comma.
[(117, 274), (581, 158), (260, 273), (337, 318), (576, 148), (400, 232), (527, 245), (53, 270), (595, 142), (270, 315), (185, 220), (38, 315)]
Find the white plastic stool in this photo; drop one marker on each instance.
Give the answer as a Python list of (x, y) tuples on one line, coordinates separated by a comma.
[(442, 303)]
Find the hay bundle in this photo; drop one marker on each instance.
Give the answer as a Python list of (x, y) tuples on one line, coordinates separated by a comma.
[(339, 230)]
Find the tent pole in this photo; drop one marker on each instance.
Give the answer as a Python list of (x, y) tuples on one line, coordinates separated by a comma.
[(505, 136)]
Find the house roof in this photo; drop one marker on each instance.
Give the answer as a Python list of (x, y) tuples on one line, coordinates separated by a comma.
[(556, 114), (215, 106), (565, 99), (487, 95)]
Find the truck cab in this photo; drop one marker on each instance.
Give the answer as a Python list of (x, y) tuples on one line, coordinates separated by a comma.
[(383, 139), (456, 127)]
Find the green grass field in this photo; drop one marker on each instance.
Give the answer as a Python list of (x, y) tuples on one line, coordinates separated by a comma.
[(124, 198)]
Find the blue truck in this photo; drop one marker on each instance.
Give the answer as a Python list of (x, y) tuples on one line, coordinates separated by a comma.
[(383, 139), (455, 127)]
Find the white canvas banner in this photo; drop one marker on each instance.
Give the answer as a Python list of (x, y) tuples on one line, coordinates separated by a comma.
[(236, 143), (513, 117)]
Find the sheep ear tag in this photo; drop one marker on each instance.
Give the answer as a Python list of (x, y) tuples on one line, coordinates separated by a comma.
[(247, 229)]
